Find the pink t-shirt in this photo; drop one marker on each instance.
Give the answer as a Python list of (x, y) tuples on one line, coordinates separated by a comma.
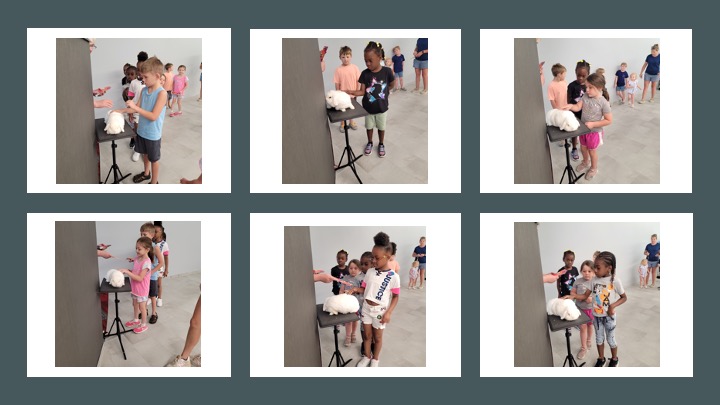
[(179, 84), (347, 77), (141, 288), (558, 91)]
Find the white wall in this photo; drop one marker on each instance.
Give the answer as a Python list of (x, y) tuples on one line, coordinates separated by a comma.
[(332, 58), (624, 239), (111, 54), (183, 238), (326, 241), (600, 53)]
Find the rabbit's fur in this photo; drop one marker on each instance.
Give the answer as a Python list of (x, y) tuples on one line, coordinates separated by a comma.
[(565, 120), (341, 304), (338, 100), (115, 278), (565, 309), (115, 123)]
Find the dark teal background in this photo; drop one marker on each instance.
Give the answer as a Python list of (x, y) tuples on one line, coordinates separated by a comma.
[(241, 17)]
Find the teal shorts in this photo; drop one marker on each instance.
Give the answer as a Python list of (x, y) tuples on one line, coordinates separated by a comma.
[(376, 121)]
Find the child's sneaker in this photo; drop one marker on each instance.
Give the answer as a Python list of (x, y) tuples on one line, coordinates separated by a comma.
[(600, 362), (133, 324), (613, 362), (353, 339), (574, 154), (381, 150), (353, 125), (347, 341), (584, 165), (368, 149), (374, 363), (159, 302), (140, 329), (195, 361), (581, 354), (342, 128), (364, 362), (179, 362)]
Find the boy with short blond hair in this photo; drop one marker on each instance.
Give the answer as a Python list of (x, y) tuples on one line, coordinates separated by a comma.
[(346, 78)]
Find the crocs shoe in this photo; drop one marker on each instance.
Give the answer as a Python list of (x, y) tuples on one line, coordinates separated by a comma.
[(368, 149)]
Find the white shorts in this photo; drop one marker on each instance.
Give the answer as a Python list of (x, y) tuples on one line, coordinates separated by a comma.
[(372, 314)]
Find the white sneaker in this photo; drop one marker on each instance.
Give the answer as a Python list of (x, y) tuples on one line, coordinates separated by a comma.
[(364, 362), (159, 302), (135, 157), (374, 363), (195, 361), (179, 362)]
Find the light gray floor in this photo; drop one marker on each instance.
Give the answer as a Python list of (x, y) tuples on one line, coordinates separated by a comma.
[(179, 154), (406, 159), (631, 150), (637, 333), (403, 338), (162, 341)]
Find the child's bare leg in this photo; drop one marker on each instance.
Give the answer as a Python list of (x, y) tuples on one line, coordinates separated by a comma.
[(146, 163), (585, 153), (367, 336), (613, 351), (348, 329), (369, 135), (377, 336), (153, 301), (354, 327), (574, 142), (154, 179), (136, 308), (160, 287), (179, 104), (143, 312), (601, 351), (583, 335), (593, 158), (381, 135), (193, 335)]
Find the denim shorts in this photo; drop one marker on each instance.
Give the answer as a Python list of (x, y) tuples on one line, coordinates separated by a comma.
[(422, 266), (653, 264), (620, 88), (605, 330), (398, 74), (651, 78), (420, 64)]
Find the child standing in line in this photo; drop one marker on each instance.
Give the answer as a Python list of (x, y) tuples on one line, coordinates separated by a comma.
[(160, 242), (397, 63), (642, 271), (169, 76), (367, 260), (566, 281), (575, 92), (603, 311), (414, 272), (557, 89), (140, 283), (632, 87), (375, 84), (340, 270), (378, 307), (620, 77), (180, 83), (355, 278), (158, 262), (151, 109), (596, 114), (583, 285), (346, 78)]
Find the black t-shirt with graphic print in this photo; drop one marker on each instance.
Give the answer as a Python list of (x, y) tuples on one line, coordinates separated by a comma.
[(377, 89)]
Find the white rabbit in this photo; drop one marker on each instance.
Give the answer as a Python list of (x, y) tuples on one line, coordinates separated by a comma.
[(115, 123), (565, 120), (115, 278), (341, 304), (565, 309), (338, 100)]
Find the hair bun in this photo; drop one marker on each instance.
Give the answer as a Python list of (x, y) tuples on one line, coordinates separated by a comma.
[(381, 239)]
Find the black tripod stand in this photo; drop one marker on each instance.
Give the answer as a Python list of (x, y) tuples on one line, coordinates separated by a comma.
[(350, 154), (572, 176), (337, 356), (569, 358), (105, 287), (555, 134), (557, 324), (115, 169), (344, 117)]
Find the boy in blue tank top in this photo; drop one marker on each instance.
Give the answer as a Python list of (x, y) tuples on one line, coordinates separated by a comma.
[(151, 108)]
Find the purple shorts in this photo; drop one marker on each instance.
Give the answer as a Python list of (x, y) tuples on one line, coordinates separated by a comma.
[(591, 140)]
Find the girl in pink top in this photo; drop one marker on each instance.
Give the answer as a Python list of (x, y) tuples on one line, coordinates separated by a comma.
[(140, 282), (180, 83)]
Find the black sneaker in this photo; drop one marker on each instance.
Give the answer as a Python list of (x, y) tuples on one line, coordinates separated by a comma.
[(613, 362), (600, 362), (153, 318)]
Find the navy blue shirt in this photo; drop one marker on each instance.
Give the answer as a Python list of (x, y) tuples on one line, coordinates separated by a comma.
[(420, 250), (422, 45), (653, 66), (621, 77), (653, 251), (397, 65)]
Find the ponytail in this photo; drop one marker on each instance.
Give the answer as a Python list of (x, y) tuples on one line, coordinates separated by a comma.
[(606, 94)]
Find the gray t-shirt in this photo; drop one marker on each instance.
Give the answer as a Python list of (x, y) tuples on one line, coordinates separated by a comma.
[(603, 294), (594, 108), (356, 282), (582, 287)]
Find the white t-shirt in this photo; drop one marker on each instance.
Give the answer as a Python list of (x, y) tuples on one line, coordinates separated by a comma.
[(379, 284)]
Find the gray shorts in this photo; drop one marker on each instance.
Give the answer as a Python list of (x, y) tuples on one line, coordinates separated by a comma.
[(147, 147), (420, 64), (169, 92), (620, 88), (398, 74), (421, 266), (653, 264), (651, 78)]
